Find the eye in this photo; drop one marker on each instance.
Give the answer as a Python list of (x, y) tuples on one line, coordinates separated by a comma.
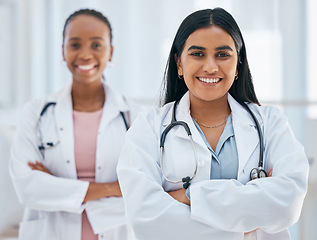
[(96, 45), (223, 54), (74, 45), (197, 54)]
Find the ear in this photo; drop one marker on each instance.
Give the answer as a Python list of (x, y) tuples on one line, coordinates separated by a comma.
[(110, 55), (63, 52), (236, 75), (178, 65)]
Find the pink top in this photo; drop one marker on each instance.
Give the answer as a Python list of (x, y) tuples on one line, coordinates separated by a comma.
[(86, 126)]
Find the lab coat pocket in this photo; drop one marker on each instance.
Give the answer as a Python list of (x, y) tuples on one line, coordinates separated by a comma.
[(34, 230)]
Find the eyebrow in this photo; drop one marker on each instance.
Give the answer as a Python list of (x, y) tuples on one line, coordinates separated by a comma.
[(77, 38), (225, 47), (196, 47), (97, 38)]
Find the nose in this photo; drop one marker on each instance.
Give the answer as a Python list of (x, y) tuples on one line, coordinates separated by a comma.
[(210, 65), (85, 54)]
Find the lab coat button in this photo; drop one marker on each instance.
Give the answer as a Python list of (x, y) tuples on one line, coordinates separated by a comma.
[(68, 161), (99, 168)]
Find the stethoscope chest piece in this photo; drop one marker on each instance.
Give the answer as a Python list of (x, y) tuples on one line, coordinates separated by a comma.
[(257, 173)]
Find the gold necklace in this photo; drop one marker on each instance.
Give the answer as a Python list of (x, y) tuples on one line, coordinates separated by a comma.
[(214, 126)]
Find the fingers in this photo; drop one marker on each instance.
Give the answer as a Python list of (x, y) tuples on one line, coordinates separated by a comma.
[(270, 172), (38, 166), (251, 231)]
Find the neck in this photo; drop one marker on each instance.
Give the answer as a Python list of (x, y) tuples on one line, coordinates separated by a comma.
[(88, 97), (210, 112)]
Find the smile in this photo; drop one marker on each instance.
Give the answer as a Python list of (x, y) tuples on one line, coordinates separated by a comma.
[(209, 80), (86, 67)]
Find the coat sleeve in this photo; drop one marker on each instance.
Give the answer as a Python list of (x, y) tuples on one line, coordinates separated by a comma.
[(35, 189), (271, 204), (152, 212)]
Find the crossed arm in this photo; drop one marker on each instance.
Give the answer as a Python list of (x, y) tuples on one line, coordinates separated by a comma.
[(180, 195), (95, 190)]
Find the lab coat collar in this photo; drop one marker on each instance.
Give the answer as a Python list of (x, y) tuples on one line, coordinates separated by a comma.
[(114, 104), (245, 132), (65, 128)]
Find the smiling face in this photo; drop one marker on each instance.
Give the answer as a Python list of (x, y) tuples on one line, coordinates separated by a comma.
[(87, 48), (208, 64)]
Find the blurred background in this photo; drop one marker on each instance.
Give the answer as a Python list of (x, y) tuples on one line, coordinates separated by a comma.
[(280, 36)]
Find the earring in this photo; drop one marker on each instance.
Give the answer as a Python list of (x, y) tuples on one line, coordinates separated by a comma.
[(110, 64), (236, 77), (180, 76)]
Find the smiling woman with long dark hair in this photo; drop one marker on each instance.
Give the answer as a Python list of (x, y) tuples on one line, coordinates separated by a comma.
[(211, 163)]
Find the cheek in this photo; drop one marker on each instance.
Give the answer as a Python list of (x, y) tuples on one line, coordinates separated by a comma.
[(68, 55), (104, 55), (191, 67), (230, 68)]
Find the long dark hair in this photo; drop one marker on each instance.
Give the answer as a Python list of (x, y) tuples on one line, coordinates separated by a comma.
[(88, 12), (173, 88)]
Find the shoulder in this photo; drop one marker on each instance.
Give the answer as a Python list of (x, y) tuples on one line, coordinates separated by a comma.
[(121, 102), (34, 107), (269, 114)]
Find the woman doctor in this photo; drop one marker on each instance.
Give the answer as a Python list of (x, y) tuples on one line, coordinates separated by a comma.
[(208, 74), (65, 154)]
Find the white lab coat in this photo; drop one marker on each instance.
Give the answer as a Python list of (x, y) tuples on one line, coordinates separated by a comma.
[(54, 202), (220, 209)]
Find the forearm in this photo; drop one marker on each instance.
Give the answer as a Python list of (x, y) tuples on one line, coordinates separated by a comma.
[(102, 190), (180, 195)]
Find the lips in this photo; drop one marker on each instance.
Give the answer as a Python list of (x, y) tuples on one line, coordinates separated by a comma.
[(86, 67), (209, 80)]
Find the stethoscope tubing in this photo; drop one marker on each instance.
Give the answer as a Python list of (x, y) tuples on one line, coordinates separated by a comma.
[(42, 146), (162, 167), (255, 172), (260, 165)]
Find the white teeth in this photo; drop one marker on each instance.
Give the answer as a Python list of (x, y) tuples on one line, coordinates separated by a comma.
[(209, 80), (85, 67)]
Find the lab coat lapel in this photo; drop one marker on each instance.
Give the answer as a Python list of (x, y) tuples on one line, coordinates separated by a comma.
[(114, 104), (245, 132), (183, 114), (65, 128)]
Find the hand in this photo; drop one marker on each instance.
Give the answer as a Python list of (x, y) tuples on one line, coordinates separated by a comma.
[(38, 166), (102, 190), (180, 195)]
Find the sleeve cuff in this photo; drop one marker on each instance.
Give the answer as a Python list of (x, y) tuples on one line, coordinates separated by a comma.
[(188, 193)]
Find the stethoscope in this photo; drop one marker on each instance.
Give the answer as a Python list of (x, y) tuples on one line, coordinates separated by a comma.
[(47, 145), (255, 173)]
